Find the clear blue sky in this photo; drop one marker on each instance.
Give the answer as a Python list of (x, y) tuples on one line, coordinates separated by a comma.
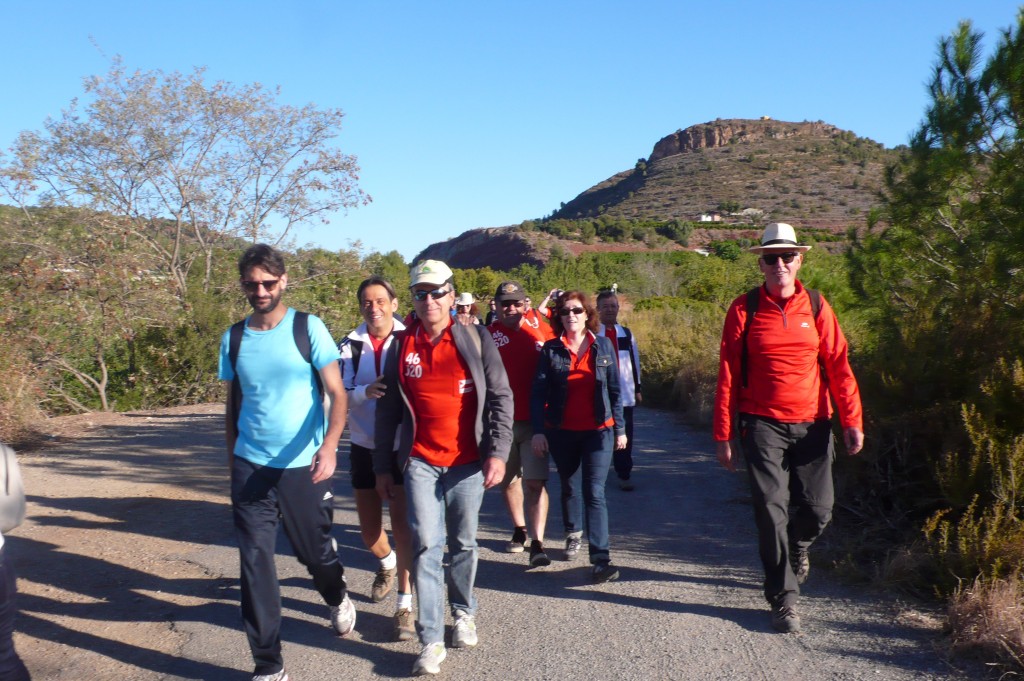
[(488, 113)]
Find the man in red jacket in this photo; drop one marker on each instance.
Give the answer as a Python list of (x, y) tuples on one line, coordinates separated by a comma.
[(780, 360)]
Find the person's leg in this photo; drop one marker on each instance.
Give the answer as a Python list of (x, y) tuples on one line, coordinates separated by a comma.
[(535, 476), (426, 523), (369, 507), (398, 509), (623, 458), (11, 666), (810, 484), (597, 459), (512, 489), (565, 452), (765, 443), (463, 494), (255, 512)]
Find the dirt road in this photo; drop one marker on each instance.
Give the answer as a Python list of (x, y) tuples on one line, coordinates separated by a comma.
[(128, 570)]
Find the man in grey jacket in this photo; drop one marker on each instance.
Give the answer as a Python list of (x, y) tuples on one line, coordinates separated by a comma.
[(445, 386)]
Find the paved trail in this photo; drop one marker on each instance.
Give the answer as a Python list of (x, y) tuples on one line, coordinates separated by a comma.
[(129, 571)]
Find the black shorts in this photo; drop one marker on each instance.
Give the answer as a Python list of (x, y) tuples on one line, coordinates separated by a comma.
[(361, 466)]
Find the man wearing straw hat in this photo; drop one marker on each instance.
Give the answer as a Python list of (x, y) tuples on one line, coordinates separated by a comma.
[(782, 355)]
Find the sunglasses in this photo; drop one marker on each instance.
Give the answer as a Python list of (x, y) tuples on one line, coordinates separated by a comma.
[(566, 311), (512, 303), (254, 286), (773, 258), (437, 294)]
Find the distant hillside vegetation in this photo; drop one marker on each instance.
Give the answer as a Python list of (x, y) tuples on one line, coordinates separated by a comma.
[(715, 181)]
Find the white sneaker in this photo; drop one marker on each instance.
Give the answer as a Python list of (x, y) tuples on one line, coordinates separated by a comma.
[(343, 617), (430, 659), (464, 634), (279, 676)]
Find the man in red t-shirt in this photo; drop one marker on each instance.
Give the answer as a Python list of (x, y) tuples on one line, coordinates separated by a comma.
[(445, 387), (519, 343)]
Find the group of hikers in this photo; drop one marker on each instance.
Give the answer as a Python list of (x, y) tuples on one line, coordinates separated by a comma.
[(440, 409)]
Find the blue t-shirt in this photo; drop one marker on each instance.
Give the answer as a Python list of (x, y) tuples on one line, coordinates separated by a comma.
[(282, 420)]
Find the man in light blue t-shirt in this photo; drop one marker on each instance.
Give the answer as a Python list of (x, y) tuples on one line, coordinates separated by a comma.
[(282, 452)]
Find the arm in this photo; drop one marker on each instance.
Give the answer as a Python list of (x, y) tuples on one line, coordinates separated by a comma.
[(230, 437), (326, 458), (635, 353), (387, 418), (729, 371), (842, 384), (498, 398)]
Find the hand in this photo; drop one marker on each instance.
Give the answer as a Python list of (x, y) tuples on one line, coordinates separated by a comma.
[(385, 486), (494, 471), (324, 462), (620, 442), (376, 389), (854, 439), (639, 398), (540, 444), (723, 450)]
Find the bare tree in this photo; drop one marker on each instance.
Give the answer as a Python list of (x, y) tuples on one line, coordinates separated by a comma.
[(183, 166)]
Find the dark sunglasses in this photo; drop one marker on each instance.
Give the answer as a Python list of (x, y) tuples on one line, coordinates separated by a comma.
[(566, 311), (773, 258), (513, 303), (436, 294), (254, 286)]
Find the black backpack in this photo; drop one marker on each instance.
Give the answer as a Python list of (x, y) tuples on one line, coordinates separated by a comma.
[(300, 331), (753, 300)]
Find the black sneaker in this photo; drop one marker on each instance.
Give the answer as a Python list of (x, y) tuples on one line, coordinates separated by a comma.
[(785, 620), (518, 542), (801, 564), (604, 572), (537, 556)]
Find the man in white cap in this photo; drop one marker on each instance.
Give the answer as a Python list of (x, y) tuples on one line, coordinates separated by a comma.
[(782, 355), (445, 387)]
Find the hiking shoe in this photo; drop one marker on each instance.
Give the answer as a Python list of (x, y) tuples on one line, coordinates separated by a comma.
[(785, 620), (518, 542), (430, 659), (537, 556), (276, 676), (383, 583), (801, 564), (343, 617), (464, 633), (604, 572), (572, 547), (405, 625), (626, 485)]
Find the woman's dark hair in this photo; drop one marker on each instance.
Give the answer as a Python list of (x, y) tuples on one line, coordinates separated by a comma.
[(556, 317), (375, 281), (262, 256)]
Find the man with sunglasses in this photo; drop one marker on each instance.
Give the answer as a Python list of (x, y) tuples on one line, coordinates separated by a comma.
[(446, 389), (782, 356), (519, 343), (281, 454)]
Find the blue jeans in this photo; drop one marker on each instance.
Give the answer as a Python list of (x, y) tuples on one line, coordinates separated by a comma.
[(11, 666), (582, 458), (443, 502)]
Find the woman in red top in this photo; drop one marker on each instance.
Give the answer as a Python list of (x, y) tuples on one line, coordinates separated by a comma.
[(576, 411)]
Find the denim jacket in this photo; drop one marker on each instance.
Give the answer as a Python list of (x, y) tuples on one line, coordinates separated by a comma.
[(550, 385)]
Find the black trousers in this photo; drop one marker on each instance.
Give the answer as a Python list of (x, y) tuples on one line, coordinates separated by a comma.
[(11, 666), (622, 459), (260, 496), (790, 466)]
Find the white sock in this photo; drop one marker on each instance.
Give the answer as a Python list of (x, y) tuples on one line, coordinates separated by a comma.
[(390, 561), (404, 602)]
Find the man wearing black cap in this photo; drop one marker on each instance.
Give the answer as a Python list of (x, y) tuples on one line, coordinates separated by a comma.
[(519, 343)]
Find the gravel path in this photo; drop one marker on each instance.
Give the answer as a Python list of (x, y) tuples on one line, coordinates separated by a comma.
[(128, 570)]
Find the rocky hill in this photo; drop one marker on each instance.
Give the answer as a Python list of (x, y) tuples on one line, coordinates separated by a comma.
[(730, 175)]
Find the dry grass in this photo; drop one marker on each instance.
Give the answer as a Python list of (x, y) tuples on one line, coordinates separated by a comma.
[(986, 620), (19, 396)]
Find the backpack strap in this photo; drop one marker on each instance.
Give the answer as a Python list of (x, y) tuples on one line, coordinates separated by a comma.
[(234, 344), (300, 330)]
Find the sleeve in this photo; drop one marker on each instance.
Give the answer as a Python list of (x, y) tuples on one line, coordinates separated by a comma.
[(225, 372), (322, 350), (635, 350), (539, 391), (614, 387), (834, 353), (729, 370), (498, 396), (356, 392), (388, 414)]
